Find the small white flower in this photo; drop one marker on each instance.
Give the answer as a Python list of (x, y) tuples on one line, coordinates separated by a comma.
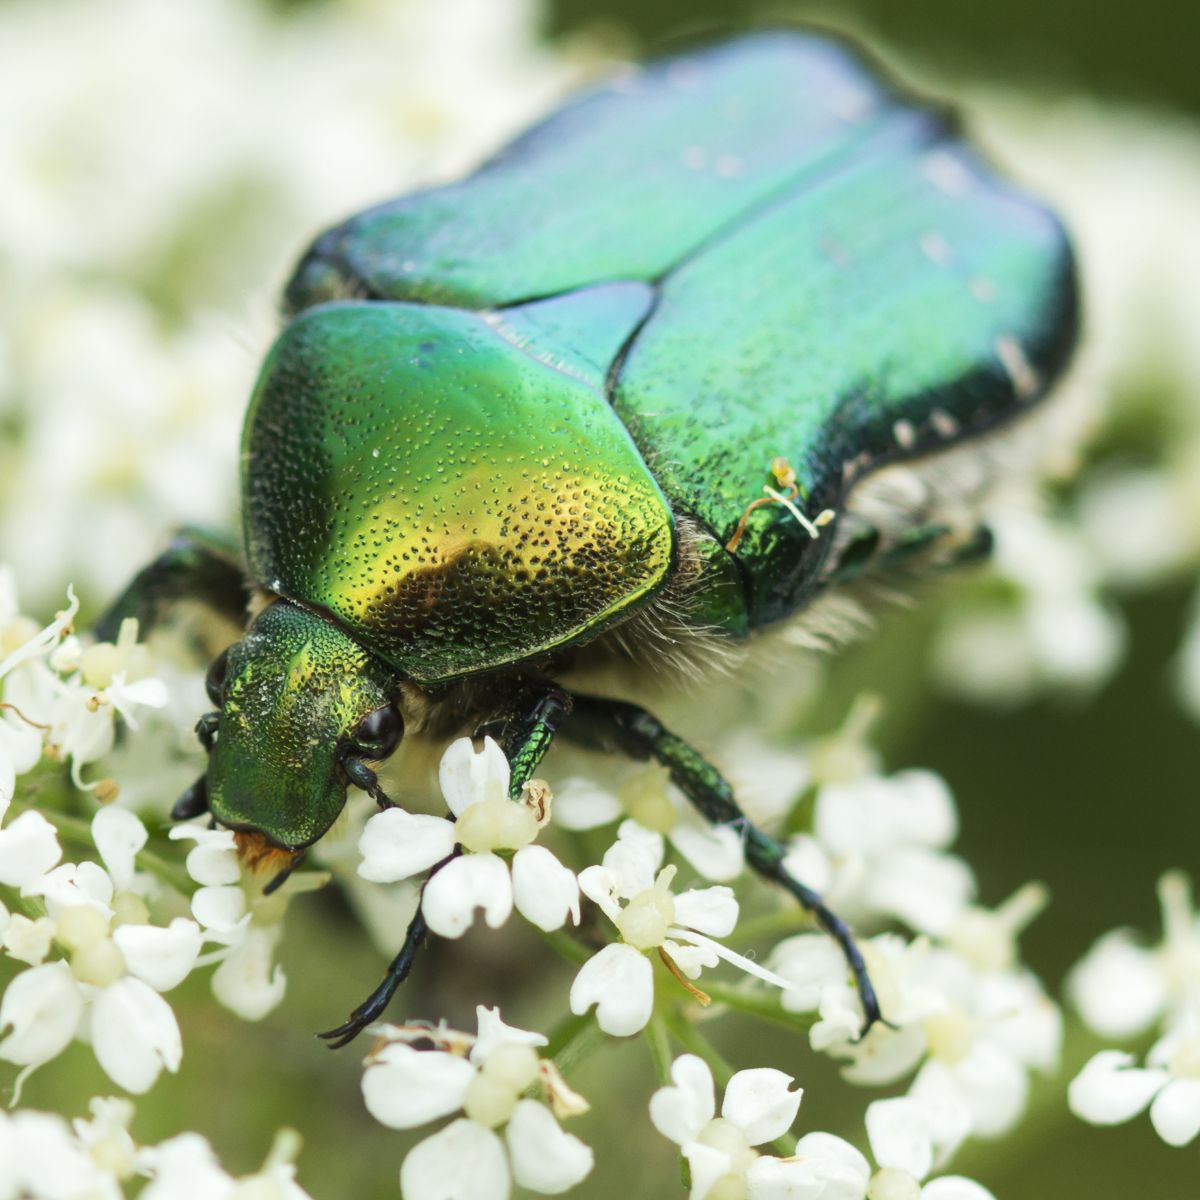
[(108, 989), (397, 845), (1110, 1090), (635, 894), (1121, 987), (975, 1034), (901, 1141), (488, 1078), (878, 850)]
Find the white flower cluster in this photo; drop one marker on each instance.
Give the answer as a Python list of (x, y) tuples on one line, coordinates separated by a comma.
[(1122, 989), (498, 1082), (966, 1023), (43, 1156), (757, 1107), (102, 941)]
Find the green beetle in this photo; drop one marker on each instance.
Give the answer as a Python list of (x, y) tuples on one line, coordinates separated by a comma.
[(610, 397)]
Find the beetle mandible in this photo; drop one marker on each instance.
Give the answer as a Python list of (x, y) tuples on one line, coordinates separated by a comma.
[(611, 397)]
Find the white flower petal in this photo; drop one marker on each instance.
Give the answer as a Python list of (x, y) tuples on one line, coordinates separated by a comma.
[(467, 777), (213, 861), (397, 845), (899, 1135), (1175, 1112), (1117, 987), (716, 851), (603, 888), (679, 1112), (491, 1032), (545, 892), (160, 957), (184, 1168), (581, 804), (118, 835), (469, 882), (758, 1101), (45, 638), (404, 1088), (72, 884), (730, 956), (246, 983), (706, 1164), (634, 858), (47, 1162), (955, 1187), (806, 859), (619, 982), (28, 849), (996, 1088), (134, 1034), (810, 962), (841, 1167), (42, 1008), (464, 1161), (1109, 1090), (222, 909), (545, 1159), (711, 910)]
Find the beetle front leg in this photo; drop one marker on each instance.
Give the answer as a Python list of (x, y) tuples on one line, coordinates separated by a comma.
[(614, 725), (196, 565), (525, 737)]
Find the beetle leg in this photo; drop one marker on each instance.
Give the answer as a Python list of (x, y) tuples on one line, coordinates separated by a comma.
[(197, 565), (614, 725), (206, 729), (371, 1009), (525, 739)]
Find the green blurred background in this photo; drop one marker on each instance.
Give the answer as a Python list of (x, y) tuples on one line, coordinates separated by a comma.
[(1095, 799)]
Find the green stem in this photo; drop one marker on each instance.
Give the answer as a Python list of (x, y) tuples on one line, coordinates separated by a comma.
[(755, 1004), (692, 1040), (658, 1042), (573, 951), (792, 919), (573, 1041)]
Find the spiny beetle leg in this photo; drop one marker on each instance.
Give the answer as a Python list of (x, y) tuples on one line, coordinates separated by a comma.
[(615, 725), (526, 739), (371, 1009), (197, 565)]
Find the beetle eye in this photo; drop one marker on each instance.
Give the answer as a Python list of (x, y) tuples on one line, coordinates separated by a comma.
[(214, 681), (378, 733)]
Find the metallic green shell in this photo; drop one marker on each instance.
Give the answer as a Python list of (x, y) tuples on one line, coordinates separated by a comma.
[(454, 502), (802, 262)]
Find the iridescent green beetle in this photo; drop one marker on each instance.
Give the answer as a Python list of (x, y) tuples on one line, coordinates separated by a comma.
[(612, 396)]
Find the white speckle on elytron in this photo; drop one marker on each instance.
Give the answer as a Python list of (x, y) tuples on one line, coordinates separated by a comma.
[(1017, 366)]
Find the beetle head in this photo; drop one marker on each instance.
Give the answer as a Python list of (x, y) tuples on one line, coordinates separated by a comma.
[(302, 706)]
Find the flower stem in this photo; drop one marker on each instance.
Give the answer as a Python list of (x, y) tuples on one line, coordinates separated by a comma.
[(692, 1040), (573, 1041), (658, 1042), (573, 951), (786, 920), (755, 1004)]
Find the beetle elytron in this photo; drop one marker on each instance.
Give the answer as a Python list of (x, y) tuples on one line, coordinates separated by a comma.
[(609, 397)]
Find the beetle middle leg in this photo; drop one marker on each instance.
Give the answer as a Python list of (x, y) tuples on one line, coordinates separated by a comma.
[(524, 733), (614, 725)]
